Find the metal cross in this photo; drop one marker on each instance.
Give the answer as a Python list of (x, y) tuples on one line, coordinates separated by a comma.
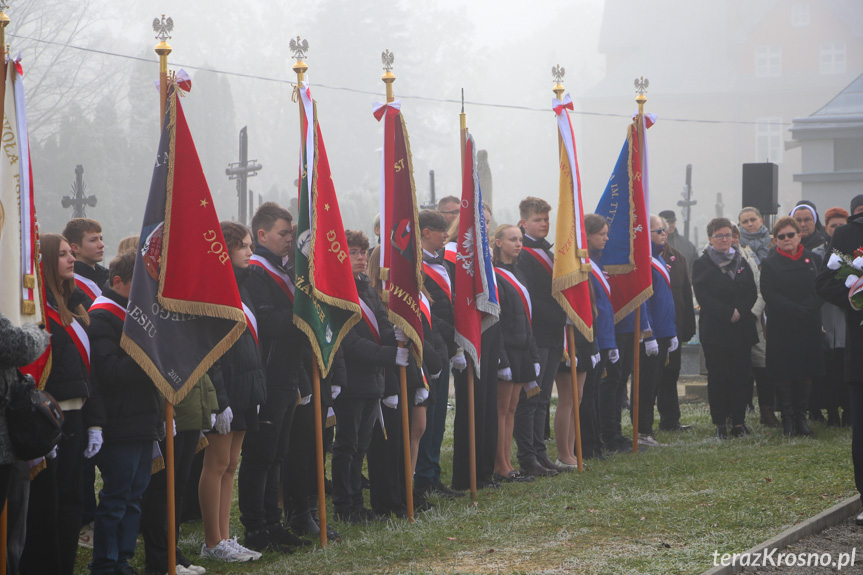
[(78, 201)]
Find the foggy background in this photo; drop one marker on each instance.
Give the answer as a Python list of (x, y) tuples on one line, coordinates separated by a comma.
[(90, 71)]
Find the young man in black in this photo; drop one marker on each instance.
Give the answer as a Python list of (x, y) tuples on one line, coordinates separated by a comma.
[(85, 238)]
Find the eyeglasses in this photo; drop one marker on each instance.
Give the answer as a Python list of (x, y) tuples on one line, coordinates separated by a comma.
[(452, 212), (789, 235), (721, 237), (659, 231), (749, 221)]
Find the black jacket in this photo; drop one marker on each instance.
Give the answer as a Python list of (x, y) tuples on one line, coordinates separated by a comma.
[(718, 296), (242, 370), (281, 342), (519, 346), (132, 403), (443, 316), (365, 358), (681, 291), (97, 275), (846, 240), (549, 318), (794, 333)]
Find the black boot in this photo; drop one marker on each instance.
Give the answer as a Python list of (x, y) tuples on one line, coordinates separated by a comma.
[(332, 534), (783, 393), (832, 417), (768, 418), (801, 405)]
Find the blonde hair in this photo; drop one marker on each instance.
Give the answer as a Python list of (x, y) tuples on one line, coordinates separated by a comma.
[(49, 245), (127, 244), (498, 234)]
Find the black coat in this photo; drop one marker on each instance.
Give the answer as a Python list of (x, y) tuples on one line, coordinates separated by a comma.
[(549, 318), (681, 291), (718, 296), (794, 332), (846, 240), (281, 342), (97, 275), (365, 358), (132, 403), (443, 317), (519, 346)]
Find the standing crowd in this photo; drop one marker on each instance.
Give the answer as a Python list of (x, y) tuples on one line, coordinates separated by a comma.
[(770, 315)]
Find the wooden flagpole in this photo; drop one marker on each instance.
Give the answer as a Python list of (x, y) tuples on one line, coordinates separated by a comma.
[(636, 361), (4, 21), (388, 79), (300, 68), (163, 27), (471, 414)]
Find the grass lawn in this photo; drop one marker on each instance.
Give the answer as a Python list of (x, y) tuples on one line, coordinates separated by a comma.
[(664, 511)]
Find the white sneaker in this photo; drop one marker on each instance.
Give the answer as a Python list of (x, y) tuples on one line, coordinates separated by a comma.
[(244, 550), (85, 536), (224, 552), (181, 571), (645, 439), (193, 570)]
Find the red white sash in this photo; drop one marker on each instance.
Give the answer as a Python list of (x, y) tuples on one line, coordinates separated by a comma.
[(598, 274), (522, 291), (371, 320), (110, 305), (439, 275), (450, 252), (89, 287), (660, 267), (75, 331), (282, 279), (425, 307), (252, 322), (544, 260)]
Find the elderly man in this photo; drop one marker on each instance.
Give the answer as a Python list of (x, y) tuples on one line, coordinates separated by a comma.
[(678, 242), (449, 206)]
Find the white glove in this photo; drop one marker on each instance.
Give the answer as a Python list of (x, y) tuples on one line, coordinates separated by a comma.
[(459, 363), (613, 356), (421, 395), (673, 345), (402, 356), (594, 359), (306, 400), (651, 347), (537, 369), (336, 390), (165, 433), (400, 335), (53, 453), (94, 442), (505, 374), (212, 420), (392, 401), (435, 375), (223, 421)]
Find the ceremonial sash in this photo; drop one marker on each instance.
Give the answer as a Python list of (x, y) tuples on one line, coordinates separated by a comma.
[(598, 274), (660, 267), (110, 305), (282, 279), (76, 332), (509, 277), (371, 320), (439, 275), (450, 252), (542, 258), (251, 322), (88, 286), (425, 308)]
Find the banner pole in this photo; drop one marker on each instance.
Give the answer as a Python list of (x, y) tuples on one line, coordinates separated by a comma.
[(4, 21), (636, 361), (471, 427), (576, 410), (406, 439)]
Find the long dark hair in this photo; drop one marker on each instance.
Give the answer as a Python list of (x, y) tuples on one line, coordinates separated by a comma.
[(62, 290)]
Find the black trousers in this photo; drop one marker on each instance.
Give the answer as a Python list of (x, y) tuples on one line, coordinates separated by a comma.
[(355, 419), (299, 469), (764, 386), (531, 413), (837, 394), (485, 428), (727, 372), (666, 392), (613, 387), (855, 390), (588, 409), (154, 506), (386, 463), (55, 505), (650, 372), (258, 481)]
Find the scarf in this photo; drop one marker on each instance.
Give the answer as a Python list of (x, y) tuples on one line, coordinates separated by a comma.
[(727, 262), (758, 241)]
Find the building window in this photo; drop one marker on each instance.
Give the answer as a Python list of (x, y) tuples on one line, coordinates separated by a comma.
[(847, 153), (768, 61), (832, 60), (800, 14), (768, 140)]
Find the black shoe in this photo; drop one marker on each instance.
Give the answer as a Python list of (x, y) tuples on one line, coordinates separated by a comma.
[(816, 415), (787, 426), (739, 431), (282, 536), (489, 484), (596, 455), (366, 484), (442, 490), (800, 426), (125, 569), (366, 514), (534, 469), (328, 486), (548, 463), (833, 418), (421, 504), (261, 542), (721, 432), (676, 427), (304, 524), (513, 477), (859, 519)]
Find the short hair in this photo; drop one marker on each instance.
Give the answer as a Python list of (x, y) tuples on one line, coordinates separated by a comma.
[(531, 205), (749, 209), (835, 213), (77, 227), (717, 224), (432, 220), (122, 265), (377, 222), (785, 222), (128, 243), (593, 223), (267, 215), (447, 200), (357, 239), (235, 233)]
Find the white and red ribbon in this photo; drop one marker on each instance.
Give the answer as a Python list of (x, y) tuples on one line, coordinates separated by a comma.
[(251, 322), (76, 332), (600, 275), (439, 275), (282, 279), (660, 267), (109, 305), (542, 257), (371, 320), (88, 286), (425, 308), (510, 278)]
